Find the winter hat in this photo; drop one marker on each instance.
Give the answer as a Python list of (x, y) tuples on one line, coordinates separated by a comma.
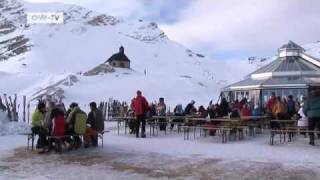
[(73, 105), (41, 105), (94, 105), (193, 102)]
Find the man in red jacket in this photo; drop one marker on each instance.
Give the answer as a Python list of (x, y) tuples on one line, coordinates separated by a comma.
[(140, 107), (271, 102)]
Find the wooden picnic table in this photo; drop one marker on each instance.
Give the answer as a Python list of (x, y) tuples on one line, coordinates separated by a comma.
[(169, 118), (283, 121), (125, 120), (211, 120)]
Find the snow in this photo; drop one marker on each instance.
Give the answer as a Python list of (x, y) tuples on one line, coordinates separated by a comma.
[(76, 46), (11, 128), (173, 72), (162, 156)]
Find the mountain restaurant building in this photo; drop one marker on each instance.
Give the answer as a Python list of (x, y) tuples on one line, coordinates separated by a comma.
[(293, 73)]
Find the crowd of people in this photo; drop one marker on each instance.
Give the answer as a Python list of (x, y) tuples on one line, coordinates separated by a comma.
[(53, 120)]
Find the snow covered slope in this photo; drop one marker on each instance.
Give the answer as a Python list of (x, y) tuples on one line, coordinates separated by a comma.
[(36, 54)]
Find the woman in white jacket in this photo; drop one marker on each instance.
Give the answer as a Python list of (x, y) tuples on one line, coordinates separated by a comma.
[(303, 121)]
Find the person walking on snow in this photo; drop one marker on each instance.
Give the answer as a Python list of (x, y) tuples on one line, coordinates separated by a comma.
[(140, 108)]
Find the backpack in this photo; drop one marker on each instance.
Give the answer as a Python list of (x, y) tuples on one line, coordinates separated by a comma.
[(80, 125)]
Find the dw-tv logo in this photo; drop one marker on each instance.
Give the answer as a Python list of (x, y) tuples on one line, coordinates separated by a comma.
[(45, 18)]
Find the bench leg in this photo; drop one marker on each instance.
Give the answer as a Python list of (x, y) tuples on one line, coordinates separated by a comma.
[(118, 125), (59, 145), (271, 137), (28, 142), (32, 142), (102, 140)]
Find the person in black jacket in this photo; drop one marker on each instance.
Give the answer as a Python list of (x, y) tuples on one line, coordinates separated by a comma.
[(190, 109), (96, 122), (224, 107)]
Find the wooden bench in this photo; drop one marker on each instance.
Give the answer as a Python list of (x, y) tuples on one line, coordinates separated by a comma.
[(225, 132), (290, 131), (31, 137)]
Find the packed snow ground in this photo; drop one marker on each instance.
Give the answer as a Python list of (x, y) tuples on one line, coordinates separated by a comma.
[(163, 157)]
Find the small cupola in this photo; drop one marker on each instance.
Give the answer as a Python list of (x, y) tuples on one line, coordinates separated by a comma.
[(121, 49), (290, 49)]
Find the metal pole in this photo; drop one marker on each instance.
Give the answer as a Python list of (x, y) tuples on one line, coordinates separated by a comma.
[(28, 106), (24, 108)]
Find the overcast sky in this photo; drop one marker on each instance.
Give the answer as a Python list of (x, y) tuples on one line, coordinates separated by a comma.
[(222, 29)]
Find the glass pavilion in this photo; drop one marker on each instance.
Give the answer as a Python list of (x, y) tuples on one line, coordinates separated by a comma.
[(292, 73)]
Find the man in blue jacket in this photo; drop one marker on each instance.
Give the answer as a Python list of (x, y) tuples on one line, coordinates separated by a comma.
[(312, 110)]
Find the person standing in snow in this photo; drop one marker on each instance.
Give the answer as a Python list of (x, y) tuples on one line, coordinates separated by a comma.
[(224, 107), (245, 111), (203, 113), (311, 108), (190, 109), (291, 106), (161, 111), (140, 108), (303, 120), (271, 102)]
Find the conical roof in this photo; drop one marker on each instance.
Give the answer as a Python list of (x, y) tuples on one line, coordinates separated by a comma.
[(291, 45), (288, 64), (291, 68)]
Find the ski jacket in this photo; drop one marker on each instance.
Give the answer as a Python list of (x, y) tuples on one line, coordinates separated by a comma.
[(312, 107), (161, 109), (96, 120), (245, 112), (58, 122), (270, 104), (291, 106), (37, 118), (140, 105), (77, 121)]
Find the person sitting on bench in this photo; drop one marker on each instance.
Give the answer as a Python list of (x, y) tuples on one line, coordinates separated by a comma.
[(96, 125), (38, 125), (58, 126), (76, 124)]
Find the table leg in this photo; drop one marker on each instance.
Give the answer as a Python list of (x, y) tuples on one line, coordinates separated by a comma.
[(118, 128), (32, 141)]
